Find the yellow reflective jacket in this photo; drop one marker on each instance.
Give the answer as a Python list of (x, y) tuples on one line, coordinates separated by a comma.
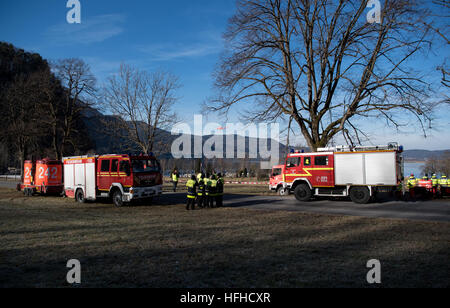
[(192, 189)]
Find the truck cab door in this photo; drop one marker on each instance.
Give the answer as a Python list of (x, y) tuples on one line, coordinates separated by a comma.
[(115, 175), (323, 171), (125, 173), (292, 169), (104, 175)]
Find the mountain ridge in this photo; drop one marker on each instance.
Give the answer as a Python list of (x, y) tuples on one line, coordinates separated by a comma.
[(107, 143)]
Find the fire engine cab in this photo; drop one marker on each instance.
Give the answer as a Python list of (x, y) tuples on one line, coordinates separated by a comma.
[(122, 178), (355, 172)]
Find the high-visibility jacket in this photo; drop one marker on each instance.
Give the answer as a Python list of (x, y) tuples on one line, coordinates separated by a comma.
[(213, 189), (434, 181), (444, 181), (220, 183), (174, 177), (412, 181), (208, 190), (199, 177), (192, 189), (201, 188)]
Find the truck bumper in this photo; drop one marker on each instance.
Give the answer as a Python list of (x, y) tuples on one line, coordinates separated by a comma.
[(142, 193)]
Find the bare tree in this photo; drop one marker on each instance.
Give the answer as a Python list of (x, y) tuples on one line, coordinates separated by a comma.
[(49, 97), (142, 103), (21, 126), (439, 164), (438, 23), (4, 157), (75, 75), (324, 65)]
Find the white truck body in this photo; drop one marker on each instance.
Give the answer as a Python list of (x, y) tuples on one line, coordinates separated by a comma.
[(81, 174), (366, 169)]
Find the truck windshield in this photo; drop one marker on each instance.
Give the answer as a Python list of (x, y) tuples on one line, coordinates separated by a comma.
[(145, 165), (276, 172)]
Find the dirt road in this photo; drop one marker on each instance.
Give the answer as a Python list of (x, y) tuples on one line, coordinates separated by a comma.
[(432, 210)]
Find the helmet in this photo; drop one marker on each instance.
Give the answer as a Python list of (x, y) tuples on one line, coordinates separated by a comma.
[(193, 177), (219, 175), (213, 177), (412, 175), (444, 176)]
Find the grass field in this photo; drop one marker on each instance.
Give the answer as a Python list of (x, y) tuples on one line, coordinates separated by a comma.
[(165, 246)]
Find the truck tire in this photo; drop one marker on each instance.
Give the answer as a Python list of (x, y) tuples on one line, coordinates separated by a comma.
[(117, 198), (28, 192), (360, 195), (283, 192), (303, 193), (79, 196)]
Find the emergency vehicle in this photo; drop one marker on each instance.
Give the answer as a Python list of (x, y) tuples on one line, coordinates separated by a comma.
[(43, 176), (122, 178), (355, 172), (276, 180), (425, 188)]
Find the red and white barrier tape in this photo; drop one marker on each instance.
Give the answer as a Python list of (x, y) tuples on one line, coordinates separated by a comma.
[(248, 183)]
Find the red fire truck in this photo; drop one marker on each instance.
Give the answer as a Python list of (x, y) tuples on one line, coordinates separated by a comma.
[(357, 172), (42, 176), (122, 178)]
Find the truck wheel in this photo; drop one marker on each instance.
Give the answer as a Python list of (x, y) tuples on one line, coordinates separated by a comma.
[(303, 193), (283, 192), (117, 198), (28, 192), (79, 196), (360, 195)]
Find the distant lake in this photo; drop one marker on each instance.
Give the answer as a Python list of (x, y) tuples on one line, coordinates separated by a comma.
[(413, 168)]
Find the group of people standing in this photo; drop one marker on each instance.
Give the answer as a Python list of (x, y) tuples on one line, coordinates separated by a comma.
[(205, 191), (439, 185)]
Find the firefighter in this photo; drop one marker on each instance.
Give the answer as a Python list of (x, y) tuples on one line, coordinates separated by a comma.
[(207, 197), (212, 190), (444, 183), (191, 193), (200, 176), (201, 191), (435, 184), (219, 195), (425, 177), (412, 182), (174, 178)]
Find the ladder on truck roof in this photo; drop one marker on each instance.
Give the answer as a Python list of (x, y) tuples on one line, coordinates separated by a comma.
[(393, 146)]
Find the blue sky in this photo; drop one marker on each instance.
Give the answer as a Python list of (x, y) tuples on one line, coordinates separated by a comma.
[(179, 36)]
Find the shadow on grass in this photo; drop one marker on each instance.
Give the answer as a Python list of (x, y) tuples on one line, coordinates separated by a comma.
[(306, 255)]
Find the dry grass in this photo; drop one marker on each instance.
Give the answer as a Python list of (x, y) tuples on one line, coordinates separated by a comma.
[(166, 246)]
